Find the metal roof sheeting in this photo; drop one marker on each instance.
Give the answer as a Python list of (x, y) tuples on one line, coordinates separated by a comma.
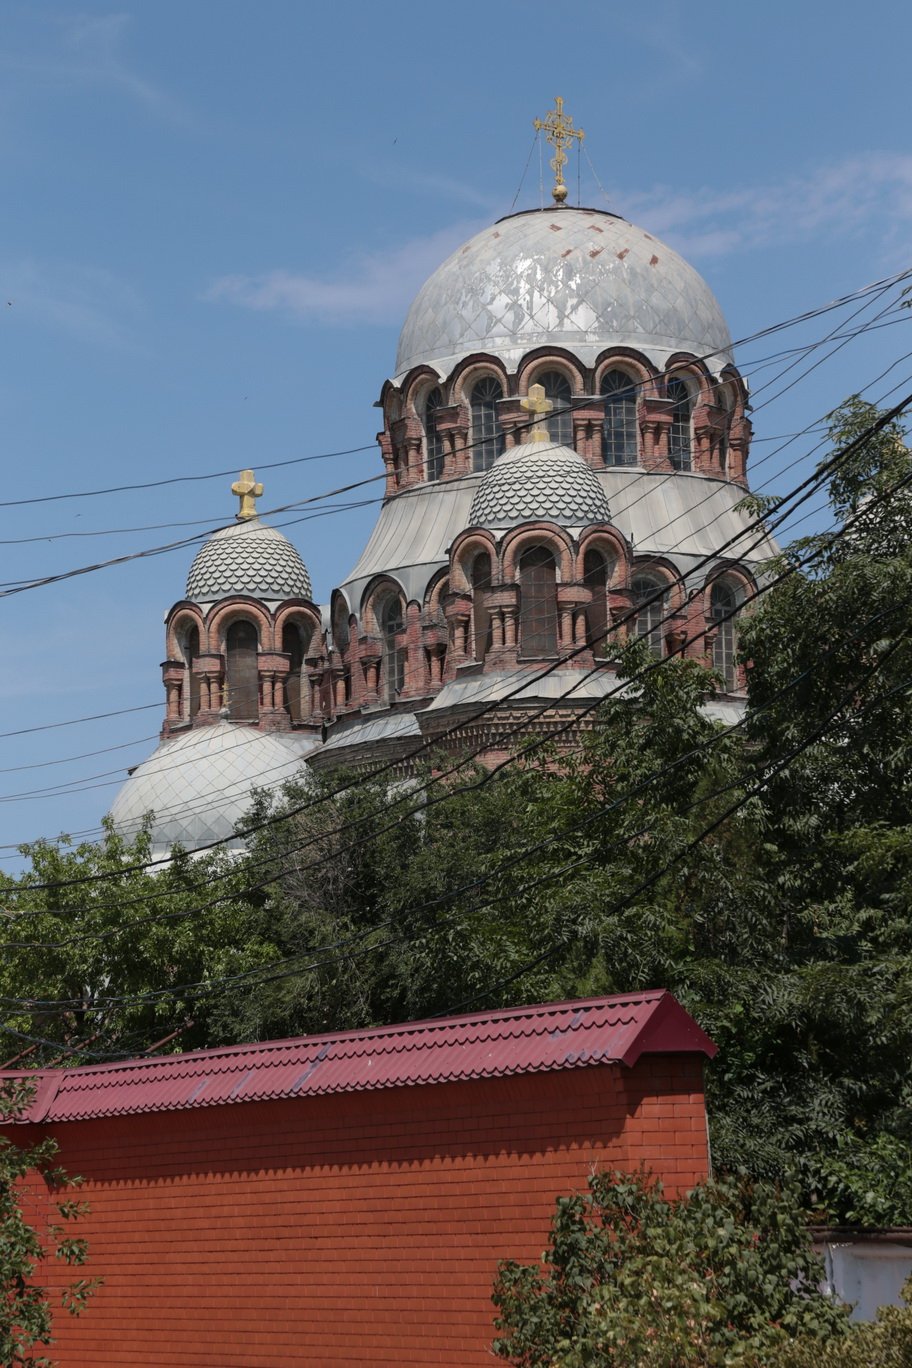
[(563, 1035), (582, 279)]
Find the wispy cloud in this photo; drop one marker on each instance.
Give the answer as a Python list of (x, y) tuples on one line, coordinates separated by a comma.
[(374, 287), (85, 302), (89, 50), (870, 194)]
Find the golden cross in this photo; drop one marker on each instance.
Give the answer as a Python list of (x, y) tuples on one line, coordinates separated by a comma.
[(538, 406), (248, 491), (558, 130)]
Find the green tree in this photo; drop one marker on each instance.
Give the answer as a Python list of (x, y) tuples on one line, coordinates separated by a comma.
[(726, 1275), (25, 1306)]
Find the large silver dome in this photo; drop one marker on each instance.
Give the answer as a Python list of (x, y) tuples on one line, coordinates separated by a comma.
[(200, 784), (575, 278), (248, 558), (539, 480)]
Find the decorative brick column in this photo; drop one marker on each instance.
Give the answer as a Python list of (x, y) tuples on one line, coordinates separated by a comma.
[(655, 423), (211, 671), (173, 676), (457, 609), (273, 667)]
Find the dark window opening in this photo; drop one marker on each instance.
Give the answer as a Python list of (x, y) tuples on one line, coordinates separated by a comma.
[(595, 578), (487, 433), (537, 604), (560, 420), (620, 422), (242, 673)]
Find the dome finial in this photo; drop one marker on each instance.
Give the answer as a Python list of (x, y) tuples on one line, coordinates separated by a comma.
[(248, 491), (538, 406), (558, 130)]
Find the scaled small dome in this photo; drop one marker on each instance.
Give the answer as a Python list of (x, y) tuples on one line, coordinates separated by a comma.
[(248, 558), (200, 783), (539, 481), (581, 279)]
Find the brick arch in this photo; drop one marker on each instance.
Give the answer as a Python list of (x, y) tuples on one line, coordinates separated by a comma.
[(633, 363), (662, 569), (419, 380), (181, 617), (550, 358), (523, 538), (695, 374), (299, 613), (231, 610), (612, 544), (732, 571), (379, 587), (466, 546), (339, 608), (435, 591), (473, 368)]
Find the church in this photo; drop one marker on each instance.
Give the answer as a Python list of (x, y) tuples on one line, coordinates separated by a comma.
[(565, 444)]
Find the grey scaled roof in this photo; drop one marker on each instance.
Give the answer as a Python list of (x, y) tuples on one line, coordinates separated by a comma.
[(560, 277), (200, 783), (248, 558), (539, 480)]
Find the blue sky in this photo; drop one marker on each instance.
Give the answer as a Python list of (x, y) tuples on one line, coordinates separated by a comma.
[(215, 215)]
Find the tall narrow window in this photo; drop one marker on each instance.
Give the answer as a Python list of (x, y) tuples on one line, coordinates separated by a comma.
[(294, 645), (560, 422), (650, 615), (191, 651), (723, 601), (620, 423), (537, 604), (487, 434), (679, 433), (242, 674), (433, 440), (595, 578), (481, 618), (392, 627)]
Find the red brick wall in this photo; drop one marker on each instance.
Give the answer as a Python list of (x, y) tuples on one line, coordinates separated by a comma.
[(350, 1229)]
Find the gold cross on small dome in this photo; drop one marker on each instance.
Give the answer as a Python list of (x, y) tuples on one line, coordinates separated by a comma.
[(248, 491), (538, 405), (559, 129)]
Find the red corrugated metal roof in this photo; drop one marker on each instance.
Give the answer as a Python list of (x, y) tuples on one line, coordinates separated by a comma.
[(559, 1035)]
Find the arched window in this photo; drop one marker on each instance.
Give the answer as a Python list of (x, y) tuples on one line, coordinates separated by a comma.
[(650, 616), (679, 441), (723, 603), (191, 651), (481, 618), (295, 641), (487, 434), (537, 604), (433, 441), (242, 674), (557, 389), (595, 578), (392, 627), (620, 423)]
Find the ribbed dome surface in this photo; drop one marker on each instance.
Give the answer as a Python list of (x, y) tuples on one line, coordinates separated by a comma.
[(575, 278), (538, 480), (200, 784), (247, 558)]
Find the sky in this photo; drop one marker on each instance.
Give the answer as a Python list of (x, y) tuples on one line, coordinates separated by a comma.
[(214, 217)]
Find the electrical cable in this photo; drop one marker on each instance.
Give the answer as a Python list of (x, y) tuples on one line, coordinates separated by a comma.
[(801, 493), (655, 665)]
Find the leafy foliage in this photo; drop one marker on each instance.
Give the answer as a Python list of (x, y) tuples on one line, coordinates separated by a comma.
[(726, 1275), (25, 1307), (763, 875)]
